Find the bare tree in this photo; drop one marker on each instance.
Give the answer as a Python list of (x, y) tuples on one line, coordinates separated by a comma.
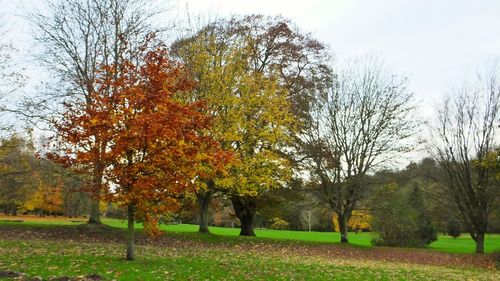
[(464, 145), (77, 38), (11, 78), (365, 120)]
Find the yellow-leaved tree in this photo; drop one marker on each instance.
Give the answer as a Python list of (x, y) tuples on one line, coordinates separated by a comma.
[(16, 167), (251, 117), (47, 198), (360, 220)]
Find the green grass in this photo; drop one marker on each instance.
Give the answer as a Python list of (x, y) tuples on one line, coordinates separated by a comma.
[(360, 239), (185, 261), (463, 244), (56, 259)]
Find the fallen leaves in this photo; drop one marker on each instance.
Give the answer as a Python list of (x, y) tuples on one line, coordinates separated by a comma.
[(74, 253)]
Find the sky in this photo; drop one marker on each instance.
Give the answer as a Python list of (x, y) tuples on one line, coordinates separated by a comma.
[(438, 44)]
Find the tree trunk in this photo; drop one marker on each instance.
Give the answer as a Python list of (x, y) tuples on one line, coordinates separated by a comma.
[(245, 209), (309, 219), (203, 203), (95, 211), (343, 228), (479, 239), (130, 233), (95, 208)]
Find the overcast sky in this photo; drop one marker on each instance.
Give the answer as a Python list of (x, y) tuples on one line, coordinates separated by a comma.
[(437, 43)]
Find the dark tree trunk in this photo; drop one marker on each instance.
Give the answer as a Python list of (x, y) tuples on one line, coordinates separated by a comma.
[(479, 239), (342, 220), (95, 216), (130, 233), (95, 208), (203, 203), (245, 209)]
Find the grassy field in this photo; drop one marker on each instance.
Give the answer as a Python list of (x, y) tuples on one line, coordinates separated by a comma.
[(52, 260), (67, 254), (463, 244)]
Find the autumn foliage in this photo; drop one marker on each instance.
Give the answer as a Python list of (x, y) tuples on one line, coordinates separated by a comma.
[(147, 147), (359, 221), (47, 198)]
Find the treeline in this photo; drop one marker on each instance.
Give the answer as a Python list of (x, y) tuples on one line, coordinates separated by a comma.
[(29, 184), (250, 115)]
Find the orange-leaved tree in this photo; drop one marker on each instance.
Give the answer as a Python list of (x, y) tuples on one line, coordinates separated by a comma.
[(153, 142)]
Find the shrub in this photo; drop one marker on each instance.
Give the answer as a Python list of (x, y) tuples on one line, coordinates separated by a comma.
[(453, 228), (279, 224), (426, 232), (400, 218)]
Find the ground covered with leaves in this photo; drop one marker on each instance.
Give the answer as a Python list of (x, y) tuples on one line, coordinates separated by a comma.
[(83, 253)]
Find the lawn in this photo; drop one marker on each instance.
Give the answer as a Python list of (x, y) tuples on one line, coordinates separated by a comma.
[(55, 259), (57, 249), (463, 244)]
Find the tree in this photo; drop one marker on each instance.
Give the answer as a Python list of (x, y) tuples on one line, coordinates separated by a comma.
[(429, 177), (277, 46), (364, 120), (11, 78), (279, 224), (251, 119), (76, 202), (47, 198), (300, 63), (17, 165), (153, 142), (453, 228), (464, 145), (400, 218), (56, 190), (359, 221), (392, 219), (426, 232), (216, 68), (78, 37)]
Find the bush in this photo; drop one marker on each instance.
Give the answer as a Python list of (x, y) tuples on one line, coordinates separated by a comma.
[(396, 226), (400, 218), (426, 232), (279, 224), (453, 228)]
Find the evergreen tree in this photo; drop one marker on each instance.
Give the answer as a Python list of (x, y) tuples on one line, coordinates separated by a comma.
[(425, 231), (453, 228)]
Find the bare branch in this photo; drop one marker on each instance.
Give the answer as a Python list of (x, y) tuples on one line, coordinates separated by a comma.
[(464, 143), (364, 121)]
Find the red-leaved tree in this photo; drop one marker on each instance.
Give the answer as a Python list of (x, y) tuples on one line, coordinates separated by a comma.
[(150, 147)]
